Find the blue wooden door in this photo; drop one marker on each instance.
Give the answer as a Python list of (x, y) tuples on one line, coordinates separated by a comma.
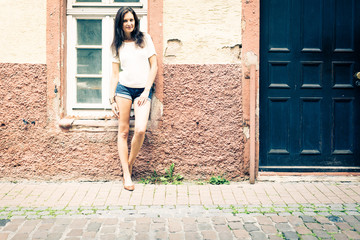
[(309, 101)]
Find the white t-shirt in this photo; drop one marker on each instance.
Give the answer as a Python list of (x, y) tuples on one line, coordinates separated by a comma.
[(134, 62)]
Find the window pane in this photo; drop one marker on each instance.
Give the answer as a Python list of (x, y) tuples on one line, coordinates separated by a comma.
[(88, 90), (89, 61), (126, 0), (88, 1), (89, 32)]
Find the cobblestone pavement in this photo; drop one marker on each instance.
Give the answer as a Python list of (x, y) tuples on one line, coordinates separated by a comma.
[(335, 221), (280, 210)]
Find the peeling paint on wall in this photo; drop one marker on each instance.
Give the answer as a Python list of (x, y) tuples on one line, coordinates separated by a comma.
[(172, 47), (204, 28), (234, 52), (246, 131), (251, 59)]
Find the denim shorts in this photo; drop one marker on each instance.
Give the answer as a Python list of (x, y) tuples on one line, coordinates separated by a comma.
[(130, 93)]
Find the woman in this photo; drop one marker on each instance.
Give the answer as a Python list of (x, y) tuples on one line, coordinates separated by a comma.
[(135, 52)]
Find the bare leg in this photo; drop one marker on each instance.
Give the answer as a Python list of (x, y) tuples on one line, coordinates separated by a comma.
[(124, 106), (141, 119)]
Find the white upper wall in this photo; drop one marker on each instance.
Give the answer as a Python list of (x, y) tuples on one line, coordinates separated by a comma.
[(202, 31), (23, 31)]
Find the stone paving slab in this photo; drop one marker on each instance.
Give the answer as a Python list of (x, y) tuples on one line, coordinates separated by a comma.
[(27, 194)]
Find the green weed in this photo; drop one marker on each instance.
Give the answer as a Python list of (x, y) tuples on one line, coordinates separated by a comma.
[(281, 235), (234, 210), (301, 208), (168, 178), (199, 182), (218, 180), (219, 208)]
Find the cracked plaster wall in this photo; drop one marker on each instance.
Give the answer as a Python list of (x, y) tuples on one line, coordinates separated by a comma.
[(202, 32)]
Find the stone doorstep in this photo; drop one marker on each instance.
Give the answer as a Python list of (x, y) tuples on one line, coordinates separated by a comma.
[(309, 177)]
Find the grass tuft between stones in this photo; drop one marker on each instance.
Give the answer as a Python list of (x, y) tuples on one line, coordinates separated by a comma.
[(168, 178)]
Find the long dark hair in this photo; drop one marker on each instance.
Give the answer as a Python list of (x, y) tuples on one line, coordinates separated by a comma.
[(119, 35)]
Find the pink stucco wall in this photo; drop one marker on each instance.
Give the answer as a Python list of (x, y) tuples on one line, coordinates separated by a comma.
[(200, 131), (201, 127), (29, 151)]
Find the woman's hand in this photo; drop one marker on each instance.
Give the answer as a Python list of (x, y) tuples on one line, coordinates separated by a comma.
[(143, 97), (115, 109)]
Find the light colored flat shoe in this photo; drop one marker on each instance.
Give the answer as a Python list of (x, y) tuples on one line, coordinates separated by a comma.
[(129, 188)]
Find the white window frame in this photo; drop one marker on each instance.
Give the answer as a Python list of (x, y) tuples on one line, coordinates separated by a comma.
[(105, 11)]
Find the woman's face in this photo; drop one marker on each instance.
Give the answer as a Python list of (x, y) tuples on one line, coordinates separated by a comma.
[(129, 23)]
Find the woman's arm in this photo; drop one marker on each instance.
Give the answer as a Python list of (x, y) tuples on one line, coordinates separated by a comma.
[(113, 83), (150, 81), (152, 73)]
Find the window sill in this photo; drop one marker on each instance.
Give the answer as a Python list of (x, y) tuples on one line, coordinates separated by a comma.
[(123, 4), (101, 11), (88, 125)]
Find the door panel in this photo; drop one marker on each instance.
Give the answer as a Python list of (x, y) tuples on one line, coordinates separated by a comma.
[(344, 25), (309, 104), (311, 126), (279, 25), (311, 37), (343, 136), (279, 109)]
